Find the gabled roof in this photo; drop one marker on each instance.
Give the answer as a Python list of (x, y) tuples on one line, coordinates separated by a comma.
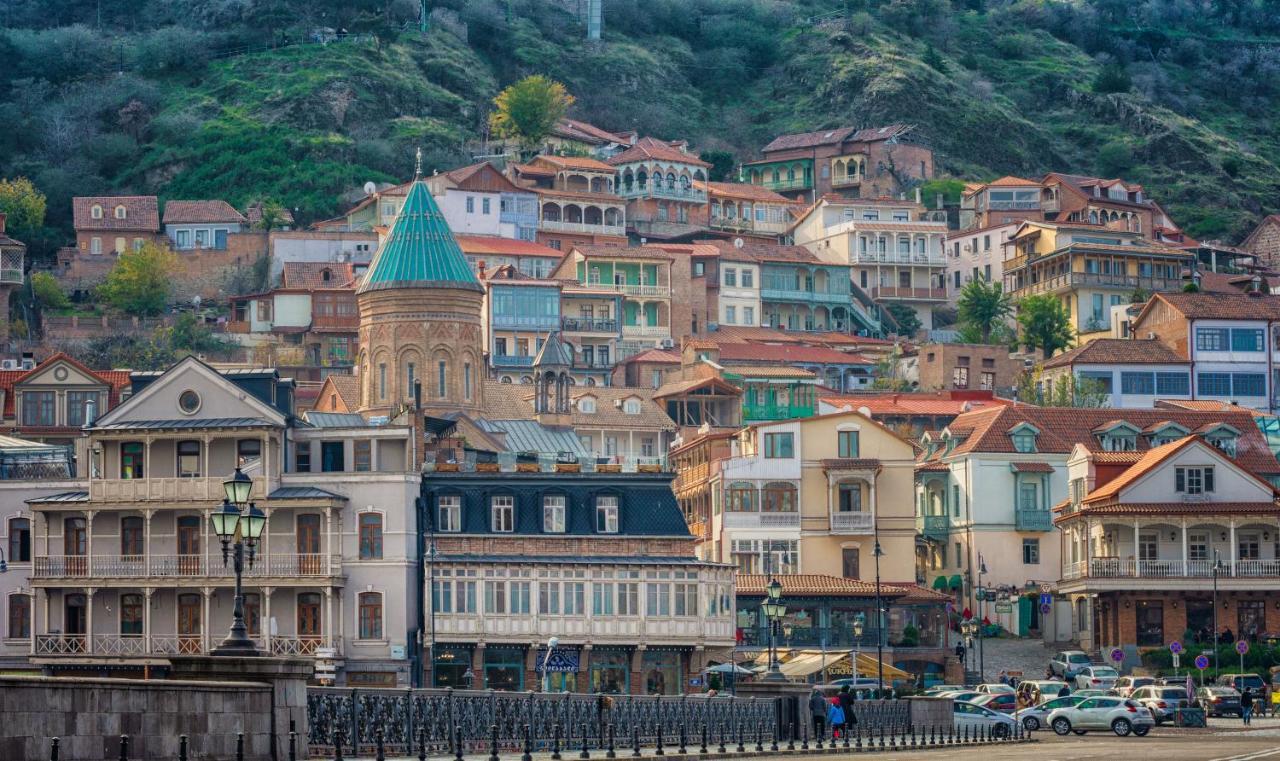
[(623, 252), (185, 212), (1217, 306), (655, 355), (834, 136), (744, 190), (115, 380), (142, 213), (492, 245), (347, 388), (1118, 351), (652, 149), (483, 177), (736, 353), (420, 251), (574, 129), (762, 252), (585, 163), (310, 275), (1152, 459), (1011, 181)]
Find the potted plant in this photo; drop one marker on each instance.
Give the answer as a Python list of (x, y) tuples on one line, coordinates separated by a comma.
[(568, 467), (486, 467)]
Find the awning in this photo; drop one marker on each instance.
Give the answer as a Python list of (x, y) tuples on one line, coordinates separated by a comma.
[(941, 583), (805, 663), (957, 582)]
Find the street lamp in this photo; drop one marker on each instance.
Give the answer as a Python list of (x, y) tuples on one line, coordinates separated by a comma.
[(1218, 567), (859, 623), (774, 611), (968, 628), (239, 530), (546, 659), (877, 552)]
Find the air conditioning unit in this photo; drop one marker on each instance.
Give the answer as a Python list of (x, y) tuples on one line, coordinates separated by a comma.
[(28, 363), (668, 343), (9, 364), (617, 403)]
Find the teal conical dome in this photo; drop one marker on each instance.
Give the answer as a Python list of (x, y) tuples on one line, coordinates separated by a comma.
[(420, 251)]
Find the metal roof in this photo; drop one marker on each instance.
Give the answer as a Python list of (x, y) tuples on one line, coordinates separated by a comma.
[(66, 496), (303, 492), (531, 436), (420, 251), (581, 559), (186, 424), (335, 419)]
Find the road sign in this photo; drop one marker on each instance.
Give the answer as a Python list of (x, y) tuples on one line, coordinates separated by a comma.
[(1176, 661), (1046, 598), (1046, 588), (1045, 608), (1003, 606), (1202, 662), (1175, 647), (1117, 655), (980, 594), (1242, 647)]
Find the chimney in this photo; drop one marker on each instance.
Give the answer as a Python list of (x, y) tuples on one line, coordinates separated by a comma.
[(91, 406), (480, 269), (917, 195)]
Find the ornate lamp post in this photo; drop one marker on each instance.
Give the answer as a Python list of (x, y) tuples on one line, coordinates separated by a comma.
[(774, 611), (859, 623), (968, 628), (239, 530), (1218, 567)]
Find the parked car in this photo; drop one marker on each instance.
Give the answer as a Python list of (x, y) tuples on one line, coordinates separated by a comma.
[(1241, 681), (1097, 678), (993, 688), (1036, 717), (1068, 663), (977, 718), (1097, 693), (940, 688), (1125, 685), (1218, 700), (1124, 717), (1036, 691), (1163, 702), (1171, 681), (960, 695), (1004, 702)]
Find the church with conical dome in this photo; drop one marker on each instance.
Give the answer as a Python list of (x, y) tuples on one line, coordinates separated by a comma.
[(420, 311)]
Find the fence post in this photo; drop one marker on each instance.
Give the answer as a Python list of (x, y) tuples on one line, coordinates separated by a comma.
[(182, 748), (584, 753), (380, 751), (457, 742), (239, 746), (528, 742), (337, 742), (53, 748), (493, 737), (635, 738), (555, 742), (657, 748), (408, 723), (355, 722), (610, 753), (293, 745), (124, 748), (422, 744)]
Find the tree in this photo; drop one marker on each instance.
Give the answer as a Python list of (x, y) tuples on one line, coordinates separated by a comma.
[(140, 282), (983, 308), (48, 293), (1113, 77), (933, 60), (721, 164), (528, 110), (24, 205), (908, 323), (1067, 391), (889, 375), (1045, 324)]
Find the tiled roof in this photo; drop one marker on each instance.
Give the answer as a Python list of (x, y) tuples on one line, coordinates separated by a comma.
[(420, 251), (253, 213), (477, 245), (920, 403), (1031, 467), (772, 371), (749, 353), (310, 275), (623, 252), (800, 584), (1115, 458), (648, 148), (116, 380), (743, 190), (183, 212), (770, 252), (655, 355), (836, 135), (1219, 306), (1061, 428), (1118, 351), (1150, 459), (468, 178), (1204, 405), (574, 129), (933, 467), (1189, 509), (576, 162), (851, 463), (1011, 181), (142, 213)]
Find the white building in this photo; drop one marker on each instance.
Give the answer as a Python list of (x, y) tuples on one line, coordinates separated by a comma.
[(1133, 373), (974, 254)]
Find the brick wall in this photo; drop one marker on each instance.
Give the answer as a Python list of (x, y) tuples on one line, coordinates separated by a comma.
[(201, 272), (937, 363), (1168, 326), (1265, 242)]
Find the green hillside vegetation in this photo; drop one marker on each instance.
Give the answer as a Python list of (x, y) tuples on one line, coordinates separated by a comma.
[(235, 99)]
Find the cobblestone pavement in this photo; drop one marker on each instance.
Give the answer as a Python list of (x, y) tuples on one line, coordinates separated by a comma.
[(1030, 656)]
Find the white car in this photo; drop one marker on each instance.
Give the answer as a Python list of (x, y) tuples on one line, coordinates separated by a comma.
[(993, 688), (1097, 678), (1120, 715), (978, 719), (1037, 717)]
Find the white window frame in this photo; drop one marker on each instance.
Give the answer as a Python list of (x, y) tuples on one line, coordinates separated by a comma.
[(553, 514), (607, 508), (502, 514)]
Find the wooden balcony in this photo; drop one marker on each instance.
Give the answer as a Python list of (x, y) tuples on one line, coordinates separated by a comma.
[(165, 489), (912, 294), (342, 322)]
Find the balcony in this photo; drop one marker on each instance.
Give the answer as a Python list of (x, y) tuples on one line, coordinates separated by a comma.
[(1033, 520), (887, 257), (852, 523), (933, 526), (511, 360), (588, 325), (909, 294), (741, 225), (165, 489), (662, 191), (776, 411), (1013, 205), (805, 297), (1097, 280), (525, 321), (11, 268), (647, 331), (633, 289), (799, 184), (582, 228), (762, 520), (341, 322), (847, 180), (138, 646), (1120, 568), (103, 567)]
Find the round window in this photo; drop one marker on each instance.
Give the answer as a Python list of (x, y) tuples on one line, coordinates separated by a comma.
[(189, 401)]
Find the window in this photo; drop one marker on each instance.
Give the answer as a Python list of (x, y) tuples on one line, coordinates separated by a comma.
[(495, 597), (960, 377), (1251, 615), (301, 457), (847, 444), (553, 514), (1246, 339), (607, 515), (631, 406), (748, 315), (471, 205), (1173, 384), (131, 615), (95, 246), (370, 536), (466, 380), (188, 459), (1248, 384), (1193, 480), (1224, 441), (19, 617), (382, 380), (484, 206), (850, 498), (370, 615), (748, 279), (988, 380), (19, 540), (740, 497), (248, 450), (1120, 442), (779, 497), (1248, 547), (699, 269), (38, 408), (1214, 384), (628, 599), (587, 404), (442, 385), (411, 374), (1024, 441), (730, 315), (602, 598), (333, 456), (77, 406), (1212, 339), (658, 596), (96, 212), (502, 514), (1031, 552), (449, 513), (131, 537), (122, 212), (779, 445), (1028, 496), (575, 598), (1137, 383), (730, 276), (1197, 545)]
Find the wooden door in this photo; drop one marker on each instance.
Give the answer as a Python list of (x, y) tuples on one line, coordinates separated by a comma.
[(189, 545), (308, 541), (75, 546), (75, 622), (189, 623), (308, 622)]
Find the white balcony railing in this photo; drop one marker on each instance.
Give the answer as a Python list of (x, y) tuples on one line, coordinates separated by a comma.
[(279, 565), (138, 646), (762, 520), (852, 523), (1118, 568), (654, 331), (582, 227), (160, 489)]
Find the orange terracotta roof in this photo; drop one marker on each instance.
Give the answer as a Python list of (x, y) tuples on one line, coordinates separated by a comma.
[(1116, 458), (743, 190), (648, 148), (142, 213), (1032, 467), (576, 162), (1011, 181), (1218, 306), (491, 244), (622, 252), (1173, 508), (186, 212), (1204, 405), (805, 584), (655, 355), (736, 353), (1123, 351), (772, 371), (916, 403), (310, 275), (575, 129)]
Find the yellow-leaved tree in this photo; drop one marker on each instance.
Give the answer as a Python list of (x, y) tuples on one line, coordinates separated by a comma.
[(526, 111)]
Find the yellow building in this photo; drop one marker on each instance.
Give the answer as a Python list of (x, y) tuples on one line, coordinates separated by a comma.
[(812, 496), (1089, 267)]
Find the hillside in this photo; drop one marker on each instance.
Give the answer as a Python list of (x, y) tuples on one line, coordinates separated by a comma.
[(237, 99)]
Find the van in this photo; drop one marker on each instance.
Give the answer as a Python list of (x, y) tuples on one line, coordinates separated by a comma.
[(1241, 682)]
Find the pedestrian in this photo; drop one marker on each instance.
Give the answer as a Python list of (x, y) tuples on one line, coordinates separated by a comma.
[(835, 717), (1065, 691), (1004, 677), (818, 707), (1228, 638), (1246, 706), (846, 704)]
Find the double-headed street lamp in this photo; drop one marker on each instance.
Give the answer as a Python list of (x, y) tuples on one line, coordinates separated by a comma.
[(774, 611), (968, 628), (239, 529)]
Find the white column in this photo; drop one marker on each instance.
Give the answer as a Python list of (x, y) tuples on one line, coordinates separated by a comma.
[(146, 542), (1234, 548), (146, 613), (88, 619), (88, 532), (328, 616), (328, 535), (1186, 570), (37, 599), (205, 623), (1137, 553), (875, 508), (265, 623)]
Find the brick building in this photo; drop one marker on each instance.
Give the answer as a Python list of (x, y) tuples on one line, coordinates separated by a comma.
[(1264, 242), (945, 367), (662, 182)]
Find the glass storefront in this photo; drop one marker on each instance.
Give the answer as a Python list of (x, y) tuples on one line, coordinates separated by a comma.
[(504, 668), (662, 672), (562, 669), (451, 666), (610, 671)]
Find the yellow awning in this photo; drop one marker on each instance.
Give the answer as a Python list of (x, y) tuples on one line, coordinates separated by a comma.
[(803, 663)]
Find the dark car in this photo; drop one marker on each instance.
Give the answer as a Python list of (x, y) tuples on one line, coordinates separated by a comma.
[(1219, 701)]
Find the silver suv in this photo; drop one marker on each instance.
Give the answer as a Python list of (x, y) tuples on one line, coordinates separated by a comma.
[(1068, 663), (1124, 717), (1162, 702)]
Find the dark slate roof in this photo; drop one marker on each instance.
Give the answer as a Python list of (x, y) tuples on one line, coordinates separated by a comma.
[(186, 423), (420, 251), (303, 492), (555, 352), (335, 419), (66, 496), (646, 504), (530, 436)]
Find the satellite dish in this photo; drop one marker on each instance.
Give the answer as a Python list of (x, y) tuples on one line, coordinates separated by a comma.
[(737, 242), (370, 188), (864, 411), (195, 301)]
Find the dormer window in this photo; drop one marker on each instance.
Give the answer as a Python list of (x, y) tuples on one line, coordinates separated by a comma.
[(96, 212), (1024, 436), (122, 212), (1120, 442), (631, 406), (1168, 434), (587, 404), (326, 275), (1224, 438)]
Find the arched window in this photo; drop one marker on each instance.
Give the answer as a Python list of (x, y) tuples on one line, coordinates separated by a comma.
[(442, 379), (370, 536), (779, 497), (121, 212), (740, 497), (776, 178), (370, 615), (671, 180), (791, 174), (1093, 217), (19, 617), (96, 212)]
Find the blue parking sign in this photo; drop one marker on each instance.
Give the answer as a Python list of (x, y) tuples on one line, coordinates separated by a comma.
[(1046, 599)]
